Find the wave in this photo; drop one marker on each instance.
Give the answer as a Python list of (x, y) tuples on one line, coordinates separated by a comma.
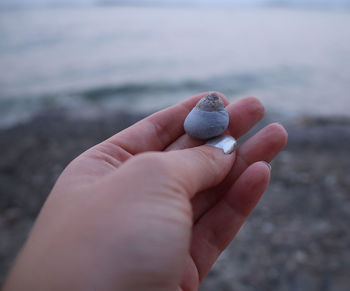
[(230, 84), (148, 96), (233, 84)]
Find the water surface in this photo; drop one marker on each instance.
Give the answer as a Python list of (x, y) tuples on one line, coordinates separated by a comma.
[(297, 62)]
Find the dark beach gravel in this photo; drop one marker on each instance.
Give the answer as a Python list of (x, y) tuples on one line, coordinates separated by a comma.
[(296, 239)]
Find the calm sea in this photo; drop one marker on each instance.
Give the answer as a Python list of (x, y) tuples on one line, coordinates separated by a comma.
[(297, 62)]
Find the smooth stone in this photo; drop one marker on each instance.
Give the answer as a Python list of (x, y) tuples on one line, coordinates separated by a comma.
[(207, 119)]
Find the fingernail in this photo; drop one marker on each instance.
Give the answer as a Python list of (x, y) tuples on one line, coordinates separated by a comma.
[(267, 164), (226, 143)]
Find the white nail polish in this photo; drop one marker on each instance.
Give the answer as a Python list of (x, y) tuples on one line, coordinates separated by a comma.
[(226, 143), (267, 164)]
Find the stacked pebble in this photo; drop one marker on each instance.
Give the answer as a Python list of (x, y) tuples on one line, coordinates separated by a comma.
[(207, 119)]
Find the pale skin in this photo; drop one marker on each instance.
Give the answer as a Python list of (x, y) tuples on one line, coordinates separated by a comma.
[(149, 208)]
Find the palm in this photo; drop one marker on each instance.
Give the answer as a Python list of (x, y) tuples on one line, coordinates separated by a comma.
[(228, 204)]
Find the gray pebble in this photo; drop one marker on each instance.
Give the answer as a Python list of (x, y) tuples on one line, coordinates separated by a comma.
[(207, 119)]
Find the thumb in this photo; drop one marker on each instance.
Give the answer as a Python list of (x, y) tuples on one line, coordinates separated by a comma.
[(188, 171)]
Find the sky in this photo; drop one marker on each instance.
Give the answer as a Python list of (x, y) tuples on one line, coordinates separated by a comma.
[(31, 3)]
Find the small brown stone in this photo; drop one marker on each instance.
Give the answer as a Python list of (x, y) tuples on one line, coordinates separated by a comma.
[(210, 103)]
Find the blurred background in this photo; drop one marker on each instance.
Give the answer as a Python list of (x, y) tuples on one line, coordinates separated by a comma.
[(72, 74)]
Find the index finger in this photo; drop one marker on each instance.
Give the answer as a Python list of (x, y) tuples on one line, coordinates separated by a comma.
[(157, 131)]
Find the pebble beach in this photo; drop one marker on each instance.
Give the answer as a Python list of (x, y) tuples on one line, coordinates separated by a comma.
[(296, 239)]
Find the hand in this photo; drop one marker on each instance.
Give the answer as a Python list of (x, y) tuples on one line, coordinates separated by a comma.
[(149, 208)]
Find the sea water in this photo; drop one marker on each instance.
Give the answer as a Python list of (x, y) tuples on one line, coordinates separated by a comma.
[(296, 61)]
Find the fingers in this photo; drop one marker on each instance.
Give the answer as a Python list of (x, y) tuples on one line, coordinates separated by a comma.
[(244, 114), (157, 131), (263, 146), (153, 133), (216, 229), (180, 172)]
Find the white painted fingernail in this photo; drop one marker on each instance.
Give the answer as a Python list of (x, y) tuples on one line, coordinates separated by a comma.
[(267, 164), (226, 143)]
